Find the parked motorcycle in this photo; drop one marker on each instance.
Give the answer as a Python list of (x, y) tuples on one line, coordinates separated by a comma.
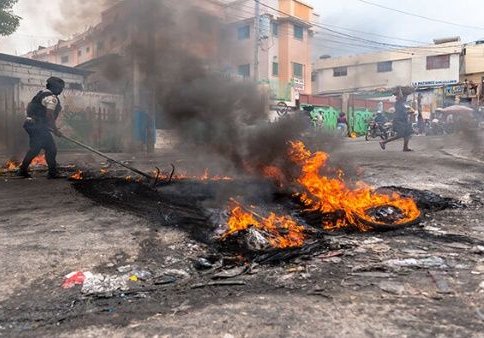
[(375, 130)]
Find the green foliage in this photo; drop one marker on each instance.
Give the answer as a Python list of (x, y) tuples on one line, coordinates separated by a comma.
[(9, 22)]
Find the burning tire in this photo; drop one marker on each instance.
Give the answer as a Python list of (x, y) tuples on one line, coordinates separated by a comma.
[(386, 217)]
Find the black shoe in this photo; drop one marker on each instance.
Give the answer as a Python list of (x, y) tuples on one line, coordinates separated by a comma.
[(23, 174)]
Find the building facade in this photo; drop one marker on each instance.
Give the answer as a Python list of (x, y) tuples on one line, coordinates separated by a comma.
[(282, 59), (432, 66)]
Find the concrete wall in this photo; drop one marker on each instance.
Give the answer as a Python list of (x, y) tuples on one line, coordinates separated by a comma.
[(19, 83), (364, 77), (420, 73), (474, 59)]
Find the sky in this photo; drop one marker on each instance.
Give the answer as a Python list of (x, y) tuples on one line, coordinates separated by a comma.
[(40, 24)]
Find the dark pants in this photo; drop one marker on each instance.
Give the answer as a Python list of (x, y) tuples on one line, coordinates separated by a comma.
[(40, 138)]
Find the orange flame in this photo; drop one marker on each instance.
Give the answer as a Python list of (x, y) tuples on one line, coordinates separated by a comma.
[(328, 195), (275, 174), (205, 175), (11, 165), (78, 175), (283, 232), (39, 161)]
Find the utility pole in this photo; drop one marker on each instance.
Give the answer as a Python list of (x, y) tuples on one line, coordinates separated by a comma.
[(257, 40)]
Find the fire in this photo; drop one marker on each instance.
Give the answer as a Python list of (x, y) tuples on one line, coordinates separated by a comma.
[(282, 231), (11, 165), (205, 175), (275, 174), (78, 175), (39, 161), (329, 195)]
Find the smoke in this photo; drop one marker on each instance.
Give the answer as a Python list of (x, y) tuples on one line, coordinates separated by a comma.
[(212, 114), (173, 68), (470, 135), (78, 15)]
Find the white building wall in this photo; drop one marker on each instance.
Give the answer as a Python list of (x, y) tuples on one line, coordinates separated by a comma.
[(364, 77), (421, 76), (32, 79)]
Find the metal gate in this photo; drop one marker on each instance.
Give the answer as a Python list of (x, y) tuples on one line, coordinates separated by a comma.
[(12, 138)]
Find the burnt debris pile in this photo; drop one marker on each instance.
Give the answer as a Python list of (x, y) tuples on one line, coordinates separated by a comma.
[(245, 217)]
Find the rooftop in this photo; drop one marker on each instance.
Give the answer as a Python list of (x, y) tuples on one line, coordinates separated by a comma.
[(42, 64)]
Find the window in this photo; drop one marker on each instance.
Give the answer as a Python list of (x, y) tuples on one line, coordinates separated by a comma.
[(297, 70), (438, 62), (243, 32), (88, 49), (275, 69), (298, 32), (65, 59), (275, 28), (79, 52), (244, 71), (340, 71), (383, 67)]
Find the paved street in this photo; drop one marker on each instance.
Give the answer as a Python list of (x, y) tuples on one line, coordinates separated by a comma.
[(48, 229)]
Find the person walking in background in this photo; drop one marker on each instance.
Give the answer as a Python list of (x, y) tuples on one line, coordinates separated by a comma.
[(401, 124), (342, 125)]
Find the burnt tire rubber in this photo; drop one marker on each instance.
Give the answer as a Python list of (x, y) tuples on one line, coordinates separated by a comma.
[(387, 226)]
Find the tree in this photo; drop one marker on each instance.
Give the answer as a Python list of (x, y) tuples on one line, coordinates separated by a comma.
[(8, 21)]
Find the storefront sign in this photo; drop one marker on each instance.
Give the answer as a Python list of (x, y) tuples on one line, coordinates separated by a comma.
[(298, 84), (454, 90), (433, 83)]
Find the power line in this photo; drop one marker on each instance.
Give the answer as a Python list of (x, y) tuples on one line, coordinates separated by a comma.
[(374, 34), (419, 16), (243, 7), (389, 45)]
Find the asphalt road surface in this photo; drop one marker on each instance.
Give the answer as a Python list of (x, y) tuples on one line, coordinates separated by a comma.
[(357, 289)]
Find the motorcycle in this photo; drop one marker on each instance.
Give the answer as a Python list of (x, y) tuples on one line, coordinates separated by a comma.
[(376, 129)]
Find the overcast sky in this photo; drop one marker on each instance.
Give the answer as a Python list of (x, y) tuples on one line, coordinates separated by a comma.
[(351, 17)]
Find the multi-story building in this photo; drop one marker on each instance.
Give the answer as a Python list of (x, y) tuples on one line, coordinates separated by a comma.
[(114, 33), (282, 58), (422, 67)]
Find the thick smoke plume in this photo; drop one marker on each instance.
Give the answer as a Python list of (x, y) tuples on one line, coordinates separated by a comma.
[(211, 113), (78, 15)]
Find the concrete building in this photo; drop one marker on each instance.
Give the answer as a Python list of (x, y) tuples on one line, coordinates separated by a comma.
[(284, 46), (424, 67)]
